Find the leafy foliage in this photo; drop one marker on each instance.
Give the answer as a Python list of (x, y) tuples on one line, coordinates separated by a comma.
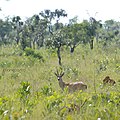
[(25, 82), (31, 52)]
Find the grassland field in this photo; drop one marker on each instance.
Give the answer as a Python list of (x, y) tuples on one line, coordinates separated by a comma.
[(29, 90)]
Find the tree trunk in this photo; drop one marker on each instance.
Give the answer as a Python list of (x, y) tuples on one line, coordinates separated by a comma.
[(97, 37), (17, 38), (72, 48), (42, 40), (33, 44), (23, 45), (59, 56), (91, 44)]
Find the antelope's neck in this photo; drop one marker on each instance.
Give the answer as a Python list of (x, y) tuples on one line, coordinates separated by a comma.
[(62, 84)]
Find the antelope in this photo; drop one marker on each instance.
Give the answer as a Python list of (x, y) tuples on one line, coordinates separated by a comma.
[(108, 80), (72, 87)]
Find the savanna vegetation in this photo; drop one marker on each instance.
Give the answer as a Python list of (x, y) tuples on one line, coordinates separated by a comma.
[(32, 51)]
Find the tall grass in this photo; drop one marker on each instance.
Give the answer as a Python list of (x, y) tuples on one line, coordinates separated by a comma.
[(45, 99)]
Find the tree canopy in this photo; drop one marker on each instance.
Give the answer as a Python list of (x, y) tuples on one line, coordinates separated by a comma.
[(40, 31)]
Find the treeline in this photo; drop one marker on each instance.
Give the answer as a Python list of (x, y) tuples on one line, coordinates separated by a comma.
[(46, 30)]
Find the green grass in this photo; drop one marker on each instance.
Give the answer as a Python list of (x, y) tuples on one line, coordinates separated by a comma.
[(43, 99)]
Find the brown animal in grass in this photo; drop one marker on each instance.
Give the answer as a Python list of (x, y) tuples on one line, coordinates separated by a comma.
[(72, 87), (108, 80)]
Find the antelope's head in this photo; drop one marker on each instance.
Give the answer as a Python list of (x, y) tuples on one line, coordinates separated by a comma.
[(107, 78), (59, 75)]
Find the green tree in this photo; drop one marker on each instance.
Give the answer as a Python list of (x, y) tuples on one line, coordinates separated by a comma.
[(38, 27), (110, 32), (5, 29), (17, 25), (56, 37), (93, 27), (76, 33)]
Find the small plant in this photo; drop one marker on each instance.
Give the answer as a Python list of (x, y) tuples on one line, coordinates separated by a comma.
[(27, 103), (117, 69), (103, 65), (3, 101), (24, 91), (52, 102), (5, 64), (47, 90)]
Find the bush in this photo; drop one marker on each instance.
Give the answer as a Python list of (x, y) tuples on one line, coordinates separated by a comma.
[(37, 55), (31, 52)]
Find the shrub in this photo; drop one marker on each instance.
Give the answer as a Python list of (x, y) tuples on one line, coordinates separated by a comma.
[(31, 52)]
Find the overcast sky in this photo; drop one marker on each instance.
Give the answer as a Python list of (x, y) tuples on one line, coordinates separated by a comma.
[(107, 9)]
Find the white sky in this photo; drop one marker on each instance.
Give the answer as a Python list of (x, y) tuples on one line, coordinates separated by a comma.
[(107, 9)]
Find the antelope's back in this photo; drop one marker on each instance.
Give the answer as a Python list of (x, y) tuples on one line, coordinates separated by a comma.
[(78, 86)]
